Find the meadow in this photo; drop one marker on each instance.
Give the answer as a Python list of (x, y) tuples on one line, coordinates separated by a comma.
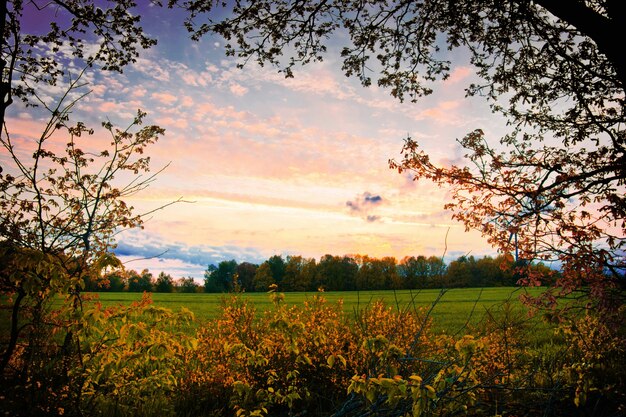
[(452, 310), (274, 354)]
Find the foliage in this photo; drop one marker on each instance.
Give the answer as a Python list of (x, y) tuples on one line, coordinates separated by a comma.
[(597, 360), (221, 278), (105, 35), (110, 281), (315, 359), (62, 191), (293, 358), (340, 273), (377, 274), (60, 212), (143, 282), (300, 274), (337, 273), (318, 359), (132, 358), (130, 362), (164, 283), (245, 275), (187, 285)]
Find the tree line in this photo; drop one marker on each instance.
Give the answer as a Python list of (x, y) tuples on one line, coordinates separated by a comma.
[(330, 273)]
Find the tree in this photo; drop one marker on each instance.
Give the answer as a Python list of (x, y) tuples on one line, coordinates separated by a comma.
[(116, 281), (110, 281), (76, 26), (553, 69), (60, 213), (461, 272), (62, 192), (436, 270), (143, 282), (299, 274), (62, 209), (187, 285), (164, 283), (377, 274), (245, 275), (414, 272), (497, 271), (62, 206), (263, 277), (209, 282), (277, 268), (336, 273), (220, 278)]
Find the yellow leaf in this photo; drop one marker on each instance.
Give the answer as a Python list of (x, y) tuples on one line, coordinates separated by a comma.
[(331, 360)]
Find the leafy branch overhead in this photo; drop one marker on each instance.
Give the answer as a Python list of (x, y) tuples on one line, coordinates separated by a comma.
[(109, 36)]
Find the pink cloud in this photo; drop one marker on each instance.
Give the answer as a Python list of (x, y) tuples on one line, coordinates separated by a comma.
[(205, 110), (169, 122), (108, 107), (164, 98), (238, 89), (187, 101), (442, 112), (138, 92), (458, 74)]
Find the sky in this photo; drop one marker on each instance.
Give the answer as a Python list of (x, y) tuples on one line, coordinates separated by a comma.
[(268, 165)]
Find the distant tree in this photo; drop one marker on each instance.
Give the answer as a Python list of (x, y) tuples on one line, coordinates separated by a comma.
[(140, 283), (210, 284), (263, 277), (113, 281), (336, 273), (378, 274), (461, 272), (308, 274), (116, 281), (298, 274), (436, 271), (187, 285), (414, 272), (277, 266), (389, 267), (220, 278), (164, 283), (497, 271), (245, 275), (93, 284)]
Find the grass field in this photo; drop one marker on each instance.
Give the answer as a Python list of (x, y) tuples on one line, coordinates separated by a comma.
[(451, 311)]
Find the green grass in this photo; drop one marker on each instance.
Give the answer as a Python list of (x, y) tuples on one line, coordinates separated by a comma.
[(452, 312)]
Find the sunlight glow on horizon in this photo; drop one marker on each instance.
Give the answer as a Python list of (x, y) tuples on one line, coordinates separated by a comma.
[(274, 165)]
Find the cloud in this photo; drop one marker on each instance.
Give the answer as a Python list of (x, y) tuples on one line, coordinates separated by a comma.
[(154, 251), (443, 112), (364, 204), (108, 107), (458, 74), (164, 98), (237, 89)]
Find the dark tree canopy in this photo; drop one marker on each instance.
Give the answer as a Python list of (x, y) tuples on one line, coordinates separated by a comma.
[(554, 69)]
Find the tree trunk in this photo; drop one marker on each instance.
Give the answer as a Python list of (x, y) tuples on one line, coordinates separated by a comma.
[(8, 353)]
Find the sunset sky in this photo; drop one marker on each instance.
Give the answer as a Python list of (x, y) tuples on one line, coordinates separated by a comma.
[(270, 165)]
